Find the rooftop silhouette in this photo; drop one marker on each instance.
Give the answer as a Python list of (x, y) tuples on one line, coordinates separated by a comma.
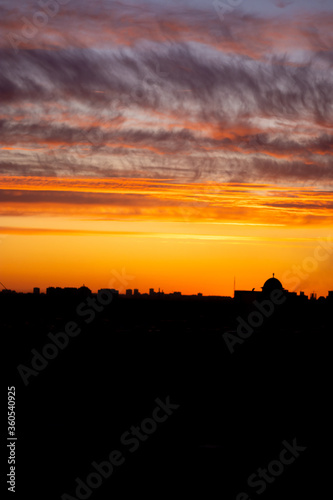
[(271, 284)]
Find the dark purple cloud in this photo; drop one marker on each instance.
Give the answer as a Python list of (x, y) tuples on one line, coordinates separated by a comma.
[(189, 97)]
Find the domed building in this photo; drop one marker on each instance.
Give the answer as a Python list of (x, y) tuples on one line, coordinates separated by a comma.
[(249, 296), (84, 292), (272, 284)]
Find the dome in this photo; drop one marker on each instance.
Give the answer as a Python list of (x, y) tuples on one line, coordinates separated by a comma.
[(84, 291), (272, 284)]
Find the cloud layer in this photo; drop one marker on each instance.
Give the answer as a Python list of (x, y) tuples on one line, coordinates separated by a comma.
[(108, 90)]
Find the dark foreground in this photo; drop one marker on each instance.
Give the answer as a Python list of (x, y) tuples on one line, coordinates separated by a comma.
[(207, 419)]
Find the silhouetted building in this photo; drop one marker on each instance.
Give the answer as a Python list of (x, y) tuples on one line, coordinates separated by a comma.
[(151, 292), (303, 297), (62, 292), (36, 290), (84, 292), (136, 292), (70, 291), (128, 292), (246, 296), (109, 290), (272, 284)]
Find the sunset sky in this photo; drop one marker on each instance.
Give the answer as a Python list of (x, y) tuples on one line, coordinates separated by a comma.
[(174, 144)]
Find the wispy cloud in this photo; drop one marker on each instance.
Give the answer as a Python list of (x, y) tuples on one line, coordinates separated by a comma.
[(147, 199), (236, 111), (165, 92)]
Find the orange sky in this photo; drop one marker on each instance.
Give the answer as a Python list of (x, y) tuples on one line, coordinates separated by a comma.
[(179, 237), (183, 146)]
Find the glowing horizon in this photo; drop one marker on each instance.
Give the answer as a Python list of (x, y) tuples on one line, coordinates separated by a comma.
[(184, 144)]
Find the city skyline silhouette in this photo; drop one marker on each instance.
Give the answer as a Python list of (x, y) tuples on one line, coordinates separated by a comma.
[(271, 283), (166, 248)]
